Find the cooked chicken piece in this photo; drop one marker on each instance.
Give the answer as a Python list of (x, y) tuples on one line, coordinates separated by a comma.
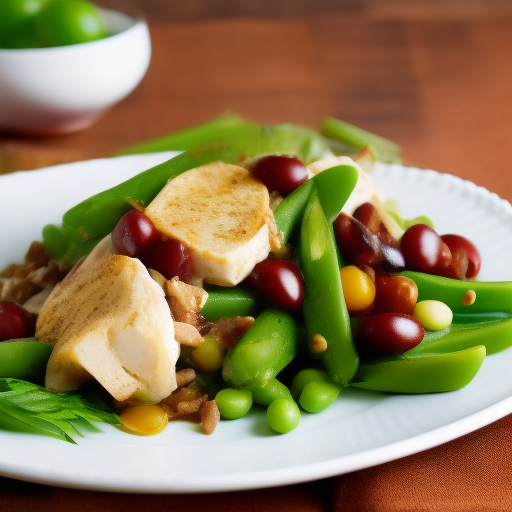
[(109, 320), (223, 215)]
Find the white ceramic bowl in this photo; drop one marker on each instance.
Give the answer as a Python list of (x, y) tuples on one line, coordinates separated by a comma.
[(66, 88)]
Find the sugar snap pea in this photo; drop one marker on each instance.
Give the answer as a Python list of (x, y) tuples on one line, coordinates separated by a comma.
[(223, 301), (325, 311), (425, 373), (490, 296), (495, 335), (263, 351)]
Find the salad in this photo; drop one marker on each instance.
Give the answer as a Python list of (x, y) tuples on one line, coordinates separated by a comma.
[(262, 265)]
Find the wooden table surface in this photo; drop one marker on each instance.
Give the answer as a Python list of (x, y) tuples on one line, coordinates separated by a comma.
[(434, 76)]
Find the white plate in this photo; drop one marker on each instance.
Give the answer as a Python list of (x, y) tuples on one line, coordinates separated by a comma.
[(362, 429)]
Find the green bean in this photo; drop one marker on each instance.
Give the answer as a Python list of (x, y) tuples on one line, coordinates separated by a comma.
[(264, 350), (422, 373), (283, 415), (233, 403), (356, 138), (223, 301)]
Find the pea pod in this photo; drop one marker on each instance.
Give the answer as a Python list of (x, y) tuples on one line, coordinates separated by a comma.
[(24, 359), (263, 351), (251, 138), (425, 373), (356, 138), (223, 301), (332, 186), (495, 335), (490, 296), (325, 311), (272, 390)]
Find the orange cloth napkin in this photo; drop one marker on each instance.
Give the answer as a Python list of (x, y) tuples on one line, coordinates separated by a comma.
[(470, 474)]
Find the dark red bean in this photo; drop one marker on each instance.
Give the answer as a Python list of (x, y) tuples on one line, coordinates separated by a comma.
[(15, 322), (134, 233), (280, 173), (357, 244), (370, 217), (455, 242), (360, 247), (280, 282), (171, 258), (423, 250), (391, 332), (394, 294)]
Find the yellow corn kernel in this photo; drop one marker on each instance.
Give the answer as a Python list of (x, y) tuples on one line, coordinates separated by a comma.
[(358, 288), (209, 356), (146, 420), (433, 314)]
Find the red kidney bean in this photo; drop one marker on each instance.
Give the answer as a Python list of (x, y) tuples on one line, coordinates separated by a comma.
[(423, 250), (370, 217), (357, 244), (280, 173), (280, 282), (395, 294), (360, 247), (134, 233), (171, 258), (15, 322), (457, 242), (391, 332)]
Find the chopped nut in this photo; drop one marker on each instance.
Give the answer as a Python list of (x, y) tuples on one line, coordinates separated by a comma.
[(227, 331), (186, 302), (318, 344), (210, 416), (185, 376), (469, 298), (186, 334)]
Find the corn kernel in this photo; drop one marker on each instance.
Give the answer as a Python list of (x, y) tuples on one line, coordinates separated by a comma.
[(433, 314), (146, 420), (209, 356), (358, 288)]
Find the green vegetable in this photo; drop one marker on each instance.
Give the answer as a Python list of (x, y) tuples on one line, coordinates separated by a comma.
[(490, 296), (24, 359), (251, 138), (288, 214), (28, 407), (332, 186), (318, 395), (223, 301), (325, 311), (233, 403), (64, 22), (304, 377), (283, 415), (264, 350), (495, 335), (357, 138), (271, 391), (425, 373), (16, 23)]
